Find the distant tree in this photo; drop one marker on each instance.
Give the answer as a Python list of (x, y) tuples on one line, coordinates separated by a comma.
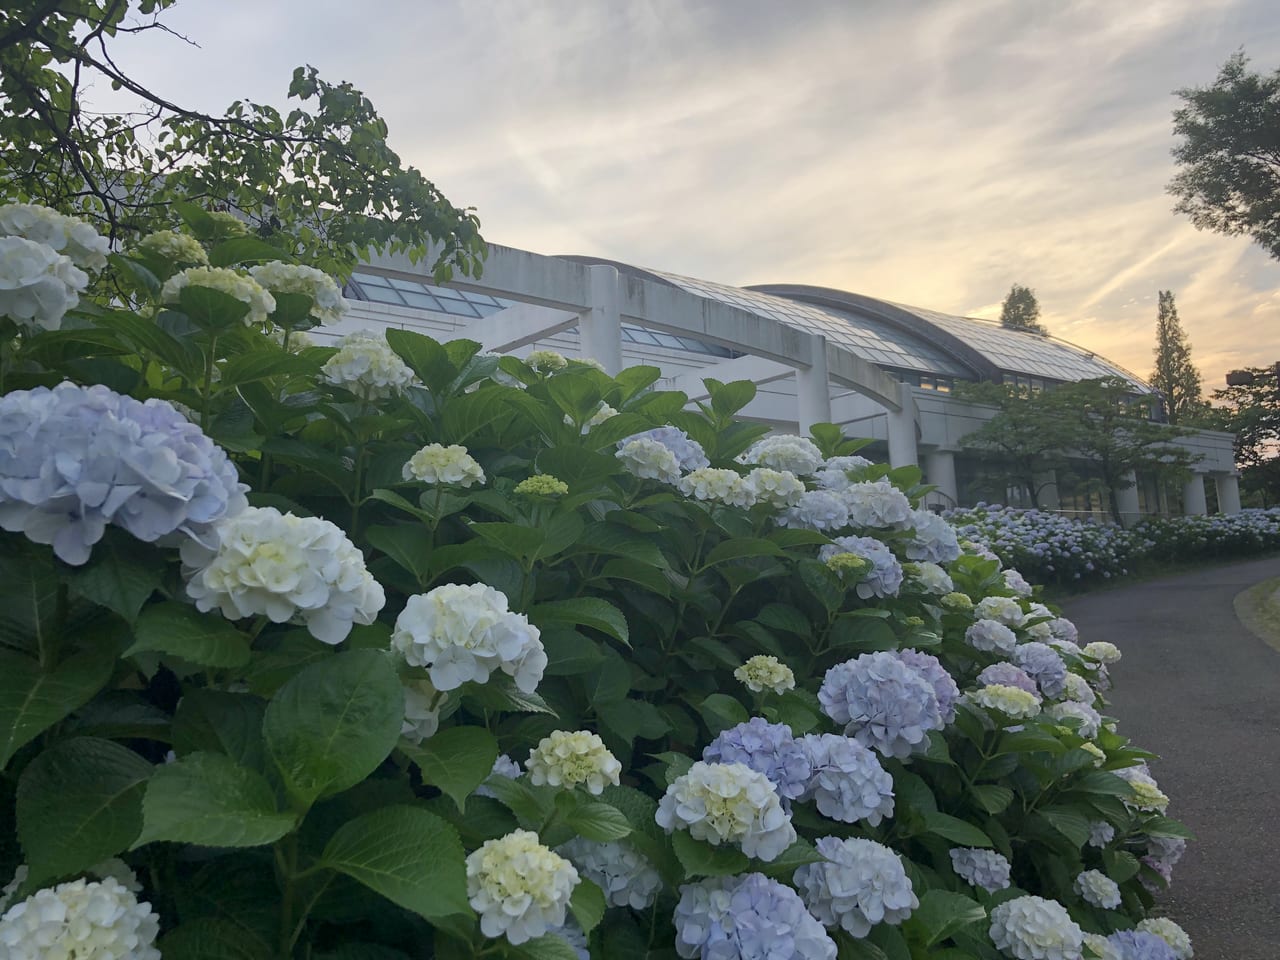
[(1175, 376), (1251, 410), (1021, 310), (1229, 154), (1022, 442)]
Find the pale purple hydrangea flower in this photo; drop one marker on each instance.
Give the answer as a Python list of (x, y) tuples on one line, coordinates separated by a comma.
[(767, 748), (74, 459), (834, 474), (883, 702), (984, 869), (748, 916), (1163, 854), (848, 784), (1044, 665), (1064, 629), (688, 453), (944, 685), (1008, 675), (815, 510), (932, 538), (1100, 833), (1016, 582), (990, 636), (1140, 945), (885, 578), (863, 883)]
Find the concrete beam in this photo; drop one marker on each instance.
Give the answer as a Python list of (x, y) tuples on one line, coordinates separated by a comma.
[(517, 325), (756, 369)]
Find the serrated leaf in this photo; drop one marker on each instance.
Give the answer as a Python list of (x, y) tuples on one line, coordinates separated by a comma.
[(740, 548), (941, 913), (701, 859), (457, 760), (1070, 823), (956, 830), (598, 821), (410, 856), (546, 947), (991, 797), (244, 250), (78, 803), (209, 938), (183, 631), (32, 700), (220, 722), (590, 612), (588, 905), (121, 575), (210, 800)]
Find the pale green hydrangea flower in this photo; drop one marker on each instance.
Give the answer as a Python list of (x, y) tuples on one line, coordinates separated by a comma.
[(437, 464), (519, 887), (763, 672), (542, 485), (1010, 701), (172, 245), (545, 361), (245, 289), (327, 304), (728, 803), (1170, 933), (719, 485), (571, 759), (957, 601)]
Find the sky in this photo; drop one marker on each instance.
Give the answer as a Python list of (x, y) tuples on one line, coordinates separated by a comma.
[(932, 153)]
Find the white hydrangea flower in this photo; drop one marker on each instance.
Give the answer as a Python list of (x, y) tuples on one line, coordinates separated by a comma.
[(786, 452), (876, 503), (1010, 701), (237, 285), (931, 577), (777, 488), (1033, 928), (38, 285), (649, 460), (1102, 948), (95, 920), (546, 360), (520, 888), (1100, 833), (985, 869), (1096, 888), (1102, 651), (834, 474), (861, 884), (327, 304), (68, 236), (1170, 933), (728, 803), (367, 366), (1147, 792), (815, 510), (763, 672), (10, 888), (1041, 632), (721, 486), (422, 706), (1006, 610), (227, 224), (627, 878), (461, 633), (570, 759), (438, 464), (1090, 719), (283, 567), (603, 413), (991, 635), (172, 245)]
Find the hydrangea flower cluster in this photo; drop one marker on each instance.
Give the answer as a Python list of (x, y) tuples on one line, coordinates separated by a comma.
[(688, 453), (862, 884), (778, 488), (1009, 701), (74, 459), (1016, 582), (1033, 928), (876, 503), (1163, 854), (540, 485), (627, 878), (728, 803), (546, 361), (519, 888), (798, 455), (718, 485), (815, 510), (1090, 719), (172, 245), (959, 602), (1100, 833), (883, 702), (1140, 945), (747, 916), (463, 633), (649, 460), (67, 236), (37, 285), (990, 636), (438, 464), (767, 748), (1102, 651), (277, 565), (944, 686), (885, 577), (929, 577), (367, 366), (932, 538), (422, 705), (847, 782), (834, 474), (102, 920), (1008, 675), (1077, 688), (984, 869), (327, 304), (1146, 792), (571, 759), (1004, 610), (245, 289), (1044, 665), (763, 672), (1097, 889), (1170, 933)]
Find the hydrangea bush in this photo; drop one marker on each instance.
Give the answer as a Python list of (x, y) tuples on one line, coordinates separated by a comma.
[(398, 649)]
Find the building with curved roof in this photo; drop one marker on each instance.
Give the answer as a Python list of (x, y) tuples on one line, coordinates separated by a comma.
[(879, 369)]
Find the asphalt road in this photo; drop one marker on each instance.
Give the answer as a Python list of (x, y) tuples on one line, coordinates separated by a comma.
[(1199, 689)]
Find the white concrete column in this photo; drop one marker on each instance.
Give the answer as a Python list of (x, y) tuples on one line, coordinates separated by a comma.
[(940, 471), (813, 388), (902, 430), (1228, 492), (600, 325), (1127, 498), (1193, 502), (1047, 489)]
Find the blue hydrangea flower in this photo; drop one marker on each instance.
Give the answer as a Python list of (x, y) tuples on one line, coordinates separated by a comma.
[(688, 453), (944, 685), (74, 459), (1044, 665), (1140, 945), (885, 578), (985, 869), (848, 783), (1007, 675), (767, 748), (748, 916), (932, 538), (861, 884), (884, 703)]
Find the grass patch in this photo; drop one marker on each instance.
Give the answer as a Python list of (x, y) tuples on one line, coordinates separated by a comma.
[(1258, 608)]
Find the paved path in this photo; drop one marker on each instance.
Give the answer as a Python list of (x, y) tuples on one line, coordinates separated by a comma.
[(1199, 689)]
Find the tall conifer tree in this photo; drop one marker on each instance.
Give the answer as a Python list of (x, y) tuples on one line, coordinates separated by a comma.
[(1175, 376)]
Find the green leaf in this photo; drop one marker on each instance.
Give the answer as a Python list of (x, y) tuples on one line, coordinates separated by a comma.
[(210, 800), (1031, 740), (219, 722), (585, 612), (992, 798), (799, 854), (598, 821), (410, 856), (332, 724), (424, 356), (409, 546), (530, 805), (260, 364), (121, 575), (956, 830), (588, 904), (183, 631), (32, 700), (722, 711), (78, 803), (244, 250), (701, 859), (149, 338), (1166, 827), (741, 547), (1120, 865), (630, 718), (211, 938), (457, 760), (546, 947), (501, 693), (211, 309), (513, 539), (941, 914), (1070, 823), (569, 653)]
